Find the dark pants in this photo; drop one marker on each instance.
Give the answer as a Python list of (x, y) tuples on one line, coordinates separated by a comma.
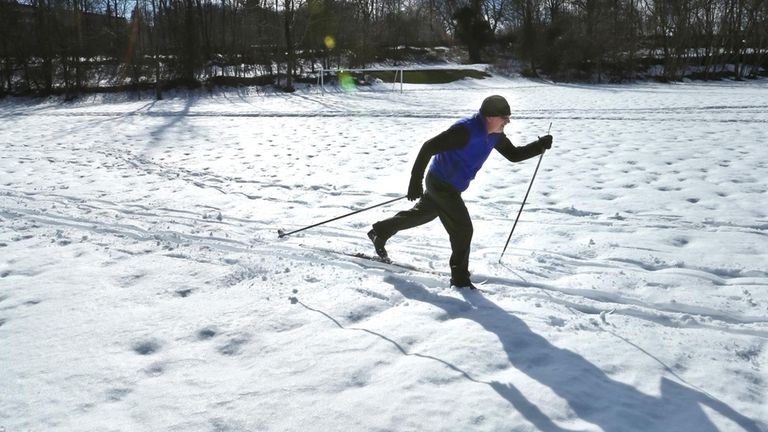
[(440, 200)]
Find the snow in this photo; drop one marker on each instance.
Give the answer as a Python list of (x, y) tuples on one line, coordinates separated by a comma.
[(143, 286)]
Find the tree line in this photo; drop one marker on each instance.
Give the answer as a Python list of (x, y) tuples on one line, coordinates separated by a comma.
[(71, 46)]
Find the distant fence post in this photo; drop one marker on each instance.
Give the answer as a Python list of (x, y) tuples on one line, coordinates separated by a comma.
[(321, 77), (394, 81), (321, 80)]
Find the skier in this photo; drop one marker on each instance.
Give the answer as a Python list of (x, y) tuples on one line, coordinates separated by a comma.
[(458, 152)]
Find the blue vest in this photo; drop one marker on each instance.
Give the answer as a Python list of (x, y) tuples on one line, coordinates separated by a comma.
[(459, 167)]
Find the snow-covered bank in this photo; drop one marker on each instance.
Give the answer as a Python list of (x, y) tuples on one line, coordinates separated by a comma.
[(143, 287)]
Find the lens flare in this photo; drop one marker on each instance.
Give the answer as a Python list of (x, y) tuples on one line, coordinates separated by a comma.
[(330, 42), (347, 82)]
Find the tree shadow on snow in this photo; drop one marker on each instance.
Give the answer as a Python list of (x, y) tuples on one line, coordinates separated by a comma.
[(592, 395), (173, 119)]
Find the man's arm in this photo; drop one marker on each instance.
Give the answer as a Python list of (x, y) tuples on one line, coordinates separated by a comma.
[(517, 154), (454, 138)]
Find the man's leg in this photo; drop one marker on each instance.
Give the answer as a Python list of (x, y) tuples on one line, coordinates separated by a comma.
[(424, 211), (455, 218), (459, 227)]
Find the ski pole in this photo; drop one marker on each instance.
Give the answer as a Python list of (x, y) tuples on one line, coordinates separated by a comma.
[(524, 199), (281, 233)]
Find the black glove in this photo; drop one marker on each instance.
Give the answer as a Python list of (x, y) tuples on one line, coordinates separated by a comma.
[(415, 189), (545, 142)]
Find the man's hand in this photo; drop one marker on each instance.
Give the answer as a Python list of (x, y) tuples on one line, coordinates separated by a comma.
[(415, 189), (546, 142)]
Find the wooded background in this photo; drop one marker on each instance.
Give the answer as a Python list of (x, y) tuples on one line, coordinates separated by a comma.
[(71, 46)]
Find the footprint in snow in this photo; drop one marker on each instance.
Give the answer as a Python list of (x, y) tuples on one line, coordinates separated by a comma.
[(129, 280), (147, 347), (234, 346), (680, 241), (155, 369), (206, 333), (184, 292), (556, 322), (117, 394)]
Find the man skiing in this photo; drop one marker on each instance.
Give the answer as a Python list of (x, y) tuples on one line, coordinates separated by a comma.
[(459, 153)]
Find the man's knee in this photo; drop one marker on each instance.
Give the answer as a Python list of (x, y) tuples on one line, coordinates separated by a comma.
[(462, 235)]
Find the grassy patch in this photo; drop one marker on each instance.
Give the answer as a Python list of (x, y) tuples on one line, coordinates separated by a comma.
[(426, 76)]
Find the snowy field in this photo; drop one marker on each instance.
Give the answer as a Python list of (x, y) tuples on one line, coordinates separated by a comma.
[(143, 286)]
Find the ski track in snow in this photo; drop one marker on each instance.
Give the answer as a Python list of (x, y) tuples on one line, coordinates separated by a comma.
[(645, 224)]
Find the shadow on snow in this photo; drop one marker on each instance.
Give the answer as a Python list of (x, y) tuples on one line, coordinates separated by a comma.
[(591, 394)]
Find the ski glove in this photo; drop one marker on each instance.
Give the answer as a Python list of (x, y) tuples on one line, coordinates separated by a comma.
[(545, 142), (415, 189)]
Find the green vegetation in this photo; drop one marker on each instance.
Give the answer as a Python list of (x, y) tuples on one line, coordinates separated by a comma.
[(426, 76)]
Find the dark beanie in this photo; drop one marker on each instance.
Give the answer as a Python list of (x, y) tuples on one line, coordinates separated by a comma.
[(494, 106)]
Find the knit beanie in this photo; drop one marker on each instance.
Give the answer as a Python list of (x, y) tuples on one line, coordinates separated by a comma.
[(495, 106)]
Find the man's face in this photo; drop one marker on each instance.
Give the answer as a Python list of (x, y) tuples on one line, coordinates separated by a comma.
[(496, 124)]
